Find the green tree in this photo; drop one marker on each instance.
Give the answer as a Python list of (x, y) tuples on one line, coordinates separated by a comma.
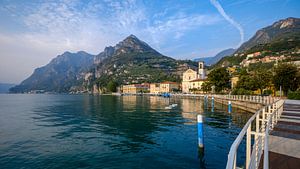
[(258, 79), (287, 76), (219, 78), (246, 82), (206, 87), (262, 79), (112, 86)]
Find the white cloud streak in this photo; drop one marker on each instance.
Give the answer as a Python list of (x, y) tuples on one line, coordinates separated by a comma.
[(220, 9)]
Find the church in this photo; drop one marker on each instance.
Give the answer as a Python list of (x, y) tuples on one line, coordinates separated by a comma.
[(193, 80)]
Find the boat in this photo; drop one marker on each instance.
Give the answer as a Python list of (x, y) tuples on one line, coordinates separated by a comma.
[(174, 105), (168, 107)]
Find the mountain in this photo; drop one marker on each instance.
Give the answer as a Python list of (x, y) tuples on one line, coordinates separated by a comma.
[(213, 60), (59, 75), (129, 45), (4, 87), (283, 32), (134, 61), (129, 61), (277, 42)]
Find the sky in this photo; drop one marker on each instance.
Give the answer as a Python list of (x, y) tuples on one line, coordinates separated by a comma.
[(33, 32)]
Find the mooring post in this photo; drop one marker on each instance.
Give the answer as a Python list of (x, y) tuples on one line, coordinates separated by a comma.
[(212, 104), (229, 107), (200, 131), (205, 101)]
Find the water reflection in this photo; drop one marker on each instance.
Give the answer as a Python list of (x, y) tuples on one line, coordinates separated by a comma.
[(122, 132)]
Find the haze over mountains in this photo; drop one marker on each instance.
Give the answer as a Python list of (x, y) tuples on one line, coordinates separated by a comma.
[(4, 87), (59, 75), (134, 61), (130, 61), (213, 60)]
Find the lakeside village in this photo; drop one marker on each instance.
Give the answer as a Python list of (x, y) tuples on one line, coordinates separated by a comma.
[(192, 82), (195, 81)]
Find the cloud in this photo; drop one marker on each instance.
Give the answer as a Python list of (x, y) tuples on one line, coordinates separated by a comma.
[(176, 26), (52, 27), (220, 9)]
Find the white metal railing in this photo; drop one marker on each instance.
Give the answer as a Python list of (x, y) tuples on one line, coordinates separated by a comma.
[(248, 98), (264, 121)]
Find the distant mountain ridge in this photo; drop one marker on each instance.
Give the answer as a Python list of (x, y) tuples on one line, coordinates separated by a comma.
[(213, 60), (4, 87), (129, 61), (283, 30), (59, 75), (279, 41)]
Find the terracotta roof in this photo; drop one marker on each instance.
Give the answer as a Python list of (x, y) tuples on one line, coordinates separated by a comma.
[(198, 80), (168, 82)]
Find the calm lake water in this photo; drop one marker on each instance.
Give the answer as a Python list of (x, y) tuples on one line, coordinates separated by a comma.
[(83, 131)]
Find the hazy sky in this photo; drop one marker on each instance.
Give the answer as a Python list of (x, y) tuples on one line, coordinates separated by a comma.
[(32, 32)]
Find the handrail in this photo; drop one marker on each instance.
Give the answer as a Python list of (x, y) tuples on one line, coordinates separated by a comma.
[(237, 141), (265, 119)]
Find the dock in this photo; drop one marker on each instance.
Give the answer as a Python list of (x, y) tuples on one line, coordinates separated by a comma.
[(284, 140), (272, 137)]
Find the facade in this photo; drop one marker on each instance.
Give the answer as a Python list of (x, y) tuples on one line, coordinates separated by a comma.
[(188, 76), (136, 88), (168, 87), (154, 88), (234, 81), (196, 84), (164, 87), (192, 79)]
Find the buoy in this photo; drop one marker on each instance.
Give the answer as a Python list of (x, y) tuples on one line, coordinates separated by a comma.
[(229, 107), (200, 131)]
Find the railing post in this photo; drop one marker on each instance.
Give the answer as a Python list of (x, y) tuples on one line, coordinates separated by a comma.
[(248, 146), (234, 163), (263, 120), (256, 137), (266, 149)]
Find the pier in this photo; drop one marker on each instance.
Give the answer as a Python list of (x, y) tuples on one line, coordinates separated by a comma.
[(284, 142), (272, 135)]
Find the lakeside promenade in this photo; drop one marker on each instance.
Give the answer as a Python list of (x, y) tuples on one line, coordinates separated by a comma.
[(284, 141), (272, 136)]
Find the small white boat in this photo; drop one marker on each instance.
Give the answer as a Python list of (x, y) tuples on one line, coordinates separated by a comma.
[(168, 107), (174, 105)]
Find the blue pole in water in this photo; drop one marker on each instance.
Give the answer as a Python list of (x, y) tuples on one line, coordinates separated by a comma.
[(205, 102), (200, 131), (212, 104), (229, 107)]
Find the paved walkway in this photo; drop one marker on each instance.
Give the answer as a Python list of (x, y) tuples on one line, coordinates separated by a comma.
[(284, 140)]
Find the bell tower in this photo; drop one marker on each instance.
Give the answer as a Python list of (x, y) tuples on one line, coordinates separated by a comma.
[(201, 70)]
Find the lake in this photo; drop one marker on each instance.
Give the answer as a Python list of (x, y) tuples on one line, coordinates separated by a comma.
[(85, 131)]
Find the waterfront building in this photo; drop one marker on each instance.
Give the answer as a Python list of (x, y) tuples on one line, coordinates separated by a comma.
[(193, 79), (136, 88), (168, 87), (195, 85), (154, 88), (164, 87)]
